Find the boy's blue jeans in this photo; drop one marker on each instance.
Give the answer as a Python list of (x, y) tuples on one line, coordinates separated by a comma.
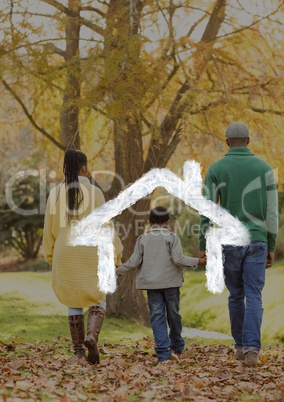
[(244, 270), (164, 314)]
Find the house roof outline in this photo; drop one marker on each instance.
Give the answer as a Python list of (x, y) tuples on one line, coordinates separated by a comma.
[(93, 231)]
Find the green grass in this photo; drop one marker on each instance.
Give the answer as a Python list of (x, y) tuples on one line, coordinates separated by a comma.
[(30, 311), (205, 310)]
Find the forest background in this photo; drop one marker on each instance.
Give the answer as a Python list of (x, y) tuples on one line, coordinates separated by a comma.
[(134, 84)]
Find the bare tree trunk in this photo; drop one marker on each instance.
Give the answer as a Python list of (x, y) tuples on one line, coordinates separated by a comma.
[(122, 53), (127, 301), (69, 118)]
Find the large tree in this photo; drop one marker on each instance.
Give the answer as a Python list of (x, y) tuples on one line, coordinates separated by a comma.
[(155, 70)]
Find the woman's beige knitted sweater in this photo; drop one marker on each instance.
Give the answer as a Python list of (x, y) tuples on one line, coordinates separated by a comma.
[(74, 269)]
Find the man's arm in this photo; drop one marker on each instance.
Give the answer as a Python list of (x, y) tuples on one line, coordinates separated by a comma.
[(271, 211)]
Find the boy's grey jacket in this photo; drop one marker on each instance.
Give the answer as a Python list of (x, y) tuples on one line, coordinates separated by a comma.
[(159, 259)]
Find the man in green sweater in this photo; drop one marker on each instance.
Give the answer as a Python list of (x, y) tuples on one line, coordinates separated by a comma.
[(245, 186)]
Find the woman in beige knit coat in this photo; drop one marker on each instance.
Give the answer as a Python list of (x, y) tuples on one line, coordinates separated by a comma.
[(74, 269)]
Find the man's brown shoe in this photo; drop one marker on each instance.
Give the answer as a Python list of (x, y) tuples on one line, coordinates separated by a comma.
[(251, 359), (239, 354)]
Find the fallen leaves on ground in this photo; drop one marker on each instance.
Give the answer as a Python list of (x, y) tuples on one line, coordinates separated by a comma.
[(130, 372)]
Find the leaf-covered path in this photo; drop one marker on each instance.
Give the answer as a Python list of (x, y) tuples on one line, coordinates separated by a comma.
[(41, 372)]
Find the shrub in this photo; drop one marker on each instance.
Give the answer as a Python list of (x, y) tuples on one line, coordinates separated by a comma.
[(19, 226)]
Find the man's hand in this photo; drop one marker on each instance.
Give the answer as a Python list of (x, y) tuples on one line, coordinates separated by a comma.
[(202, 258), (269, 259)]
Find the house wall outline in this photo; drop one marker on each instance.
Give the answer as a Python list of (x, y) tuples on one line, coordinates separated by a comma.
[(94, 230)]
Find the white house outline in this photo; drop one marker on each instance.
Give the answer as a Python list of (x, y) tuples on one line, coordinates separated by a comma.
[(226, 229)]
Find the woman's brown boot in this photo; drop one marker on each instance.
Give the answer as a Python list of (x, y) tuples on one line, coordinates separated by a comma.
[(77, 330), (95, 322)]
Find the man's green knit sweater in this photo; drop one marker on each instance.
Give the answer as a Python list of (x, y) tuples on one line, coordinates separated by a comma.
[(245, 186)]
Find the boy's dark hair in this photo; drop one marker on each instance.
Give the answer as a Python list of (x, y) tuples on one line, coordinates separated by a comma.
[(158, 216)]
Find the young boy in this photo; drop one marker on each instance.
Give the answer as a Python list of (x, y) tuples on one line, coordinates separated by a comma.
[(159, 259)]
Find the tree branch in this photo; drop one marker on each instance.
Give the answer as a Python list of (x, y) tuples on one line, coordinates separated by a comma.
[(91, 8), (170, 122), (262, 110), (29, 116), (83, 21), (171, 146), (215, 21), (253, 23), (51, 48)]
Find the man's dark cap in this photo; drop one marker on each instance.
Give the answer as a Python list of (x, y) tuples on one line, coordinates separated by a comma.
[(237, 130)]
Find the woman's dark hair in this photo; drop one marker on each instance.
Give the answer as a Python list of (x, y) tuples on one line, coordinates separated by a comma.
[(158, 216), (73, 161)]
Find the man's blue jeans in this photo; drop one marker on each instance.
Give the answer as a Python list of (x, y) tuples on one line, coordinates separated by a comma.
[(244, 270), (164, 313)]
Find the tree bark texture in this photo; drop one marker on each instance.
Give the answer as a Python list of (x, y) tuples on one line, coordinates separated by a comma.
[(122, 52), (69, 117)]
